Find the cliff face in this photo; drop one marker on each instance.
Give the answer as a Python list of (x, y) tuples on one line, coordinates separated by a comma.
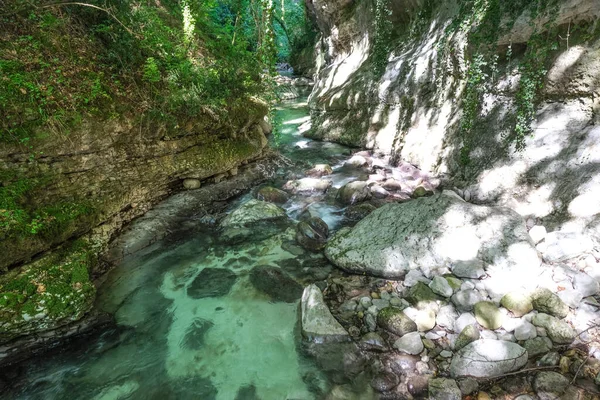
[(500, 96)]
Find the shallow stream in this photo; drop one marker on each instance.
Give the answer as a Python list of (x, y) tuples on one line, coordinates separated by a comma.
[(226, 341)]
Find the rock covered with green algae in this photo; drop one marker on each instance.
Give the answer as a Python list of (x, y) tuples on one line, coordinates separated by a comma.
[(46, 294)]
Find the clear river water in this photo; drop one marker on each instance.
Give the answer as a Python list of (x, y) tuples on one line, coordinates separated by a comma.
[(168, 345)]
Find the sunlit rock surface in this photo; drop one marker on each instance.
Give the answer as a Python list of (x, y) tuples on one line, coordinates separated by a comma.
[(429, 233), (487, 358)]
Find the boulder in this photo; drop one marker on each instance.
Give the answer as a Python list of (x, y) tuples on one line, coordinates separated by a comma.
[(358, 212), (444, 389), (275, 282), (272, 195), (486, 358), (357, 161), (549, 385), (354, 192), (319, 170), (432, 231), (468, 335), (191, 184), (544, 301), (410, 343), (308, 185), (318, 324), (211, 282), (517, 302), (254, 219), (488, 315), (393, 320), (312, 233), (559, 331)]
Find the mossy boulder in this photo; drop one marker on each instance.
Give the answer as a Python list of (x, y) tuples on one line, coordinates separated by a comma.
[(544, 301), (517, 303), (47, 294), (421, 294), (488, 315), (312, 233), (272, 195), (394, 320)]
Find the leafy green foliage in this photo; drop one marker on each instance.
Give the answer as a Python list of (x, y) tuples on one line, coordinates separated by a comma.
[(383, 34)]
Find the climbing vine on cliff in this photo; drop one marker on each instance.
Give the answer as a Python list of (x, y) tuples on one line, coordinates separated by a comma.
[(382, 35)]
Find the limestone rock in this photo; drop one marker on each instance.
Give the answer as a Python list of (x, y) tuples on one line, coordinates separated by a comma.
[(559, 331), (440, 285), (276, 283), (425, 319), (312, 233), (537, 346), (317, 322), (444, 389), (410, 343), (354, 192), (428, 232), (395, 321), (465, 300), (560, 246), (191, 184), (468, 335), (320, 170), (544, 301), (252, 219), (308, 185), (518, 303), (486, 358), (272, 195), (488, 315), (420, 294), (525, 330), (356, 161), (550, 385), (473, 269)]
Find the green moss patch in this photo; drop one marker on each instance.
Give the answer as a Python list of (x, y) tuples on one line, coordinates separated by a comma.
[(48, 293)]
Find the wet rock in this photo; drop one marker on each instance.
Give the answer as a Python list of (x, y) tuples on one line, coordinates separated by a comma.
[(317, 322), (308, 185), (559, 331), (357, 161), (436, 227), (395, 321), (544, 301), (439, 285), (247, 393), (550, 385), (537, 346), (373, 341), (354, 192), (378, 192), (468, 335), (256, 219), (410, 343), (194, 336), (272, 195), (191, 184), (486, 358), (357, 212), (211, 282), (276, 283), (488, 315), (517, 302), (320, 170), (444, 389), (384, 382), (312, 234), (465, 300)]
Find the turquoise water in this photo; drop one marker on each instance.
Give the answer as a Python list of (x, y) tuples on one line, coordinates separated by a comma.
[(231, 341)]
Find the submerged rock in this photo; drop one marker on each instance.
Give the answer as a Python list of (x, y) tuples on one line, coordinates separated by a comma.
[(486, 358), (194, 336), (276, 283), (255, 219), (211, 282), (318, 324), (312, 233), (431, 231), (272, 195)]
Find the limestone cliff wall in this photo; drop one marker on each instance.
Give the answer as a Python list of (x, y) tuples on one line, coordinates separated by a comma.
[(119, 169), (414, 107)]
